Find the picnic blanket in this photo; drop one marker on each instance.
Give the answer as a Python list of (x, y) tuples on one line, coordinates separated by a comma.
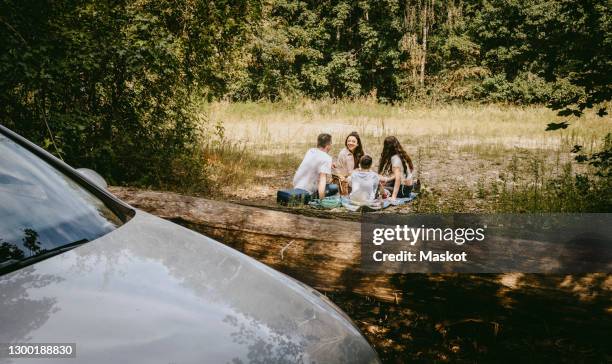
[(337, 201)]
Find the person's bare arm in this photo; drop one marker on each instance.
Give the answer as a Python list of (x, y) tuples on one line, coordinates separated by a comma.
[(322, 182), (397, 175)]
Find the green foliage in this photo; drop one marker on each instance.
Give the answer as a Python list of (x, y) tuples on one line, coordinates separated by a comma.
[(601, 160), (521, 52), (526, 89), (343, 75), (108, 85), (559, 41), (333, 49)]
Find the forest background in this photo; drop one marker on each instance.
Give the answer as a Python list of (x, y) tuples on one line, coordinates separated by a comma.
[(119, 86)]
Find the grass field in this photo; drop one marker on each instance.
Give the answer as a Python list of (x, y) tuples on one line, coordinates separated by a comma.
[(469, 158)]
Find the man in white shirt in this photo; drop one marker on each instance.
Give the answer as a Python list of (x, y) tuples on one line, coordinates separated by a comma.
[(311, 175)]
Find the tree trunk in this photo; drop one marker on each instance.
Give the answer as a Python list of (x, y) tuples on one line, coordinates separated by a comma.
[(424, 43), (323, 253)]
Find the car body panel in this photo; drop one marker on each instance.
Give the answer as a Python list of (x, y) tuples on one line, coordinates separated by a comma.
[(153, 291)]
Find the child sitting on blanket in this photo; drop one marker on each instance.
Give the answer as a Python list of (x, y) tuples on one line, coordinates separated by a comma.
[(364, 182)]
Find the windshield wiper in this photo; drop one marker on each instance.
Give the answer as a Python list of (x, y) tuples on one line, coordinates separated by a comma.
[(14, 264)]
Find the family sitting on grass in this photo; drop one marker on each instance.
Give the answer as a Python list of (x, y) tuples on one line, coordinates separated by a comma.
[(352, 174)]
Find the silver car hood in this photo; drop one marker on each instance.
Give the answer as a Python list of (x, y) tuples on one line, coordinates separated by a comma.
[(155, 292)]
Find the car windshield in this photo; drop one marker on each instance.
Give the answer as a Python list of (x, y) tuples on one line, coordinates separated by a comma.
[(42, 210)]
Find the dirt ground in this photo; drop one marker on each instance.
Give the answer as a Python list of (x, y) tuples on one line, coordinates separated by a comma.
[(484, 319)]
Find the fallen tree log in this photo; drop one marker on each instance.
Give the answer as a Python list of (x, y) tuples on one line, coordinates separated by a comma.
[(230, 216), (323, 253)]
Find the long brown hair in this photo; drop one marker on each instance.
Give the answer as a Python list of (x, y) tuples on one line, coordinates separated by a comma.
[(358, 152), (392, 147)]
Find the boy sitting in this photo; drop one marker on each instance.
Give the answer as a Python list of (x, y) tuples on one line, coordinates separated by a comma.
[(364, 182)]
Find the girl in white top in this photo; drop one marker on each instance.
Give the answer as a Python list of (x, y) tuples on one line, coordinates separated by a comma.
[(396, 168), (349, 156)]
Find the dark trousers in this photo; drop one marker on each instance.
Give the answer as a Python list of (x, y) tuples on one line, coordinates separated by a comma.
[(330, 190), (404, 191)]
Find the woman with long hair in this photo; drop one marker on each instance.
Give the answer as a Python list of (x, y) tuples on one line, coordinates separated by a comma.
[(349, 156), (396, 168), (348, 160)]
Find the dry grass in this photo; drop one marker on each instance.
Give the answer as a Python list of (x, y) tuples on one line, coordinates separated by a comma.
[(462, 153)]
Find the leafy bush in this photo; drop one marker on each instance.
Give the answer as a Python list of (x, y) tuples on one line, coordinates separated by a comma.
[(527, 88), (108, 85)]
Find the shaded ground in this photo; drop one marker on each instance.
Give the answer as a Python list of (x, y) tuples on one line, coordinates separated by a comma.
[(479, 319)]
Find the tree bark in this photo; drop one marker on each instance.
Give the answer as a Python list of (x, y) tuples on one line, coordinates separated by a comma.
[(323, 253), (424, 42)]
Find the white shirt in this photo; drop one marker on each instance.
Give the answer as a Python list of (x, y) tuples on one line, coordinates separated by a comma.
[(315, 162), (396, 161), (363, 186)]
